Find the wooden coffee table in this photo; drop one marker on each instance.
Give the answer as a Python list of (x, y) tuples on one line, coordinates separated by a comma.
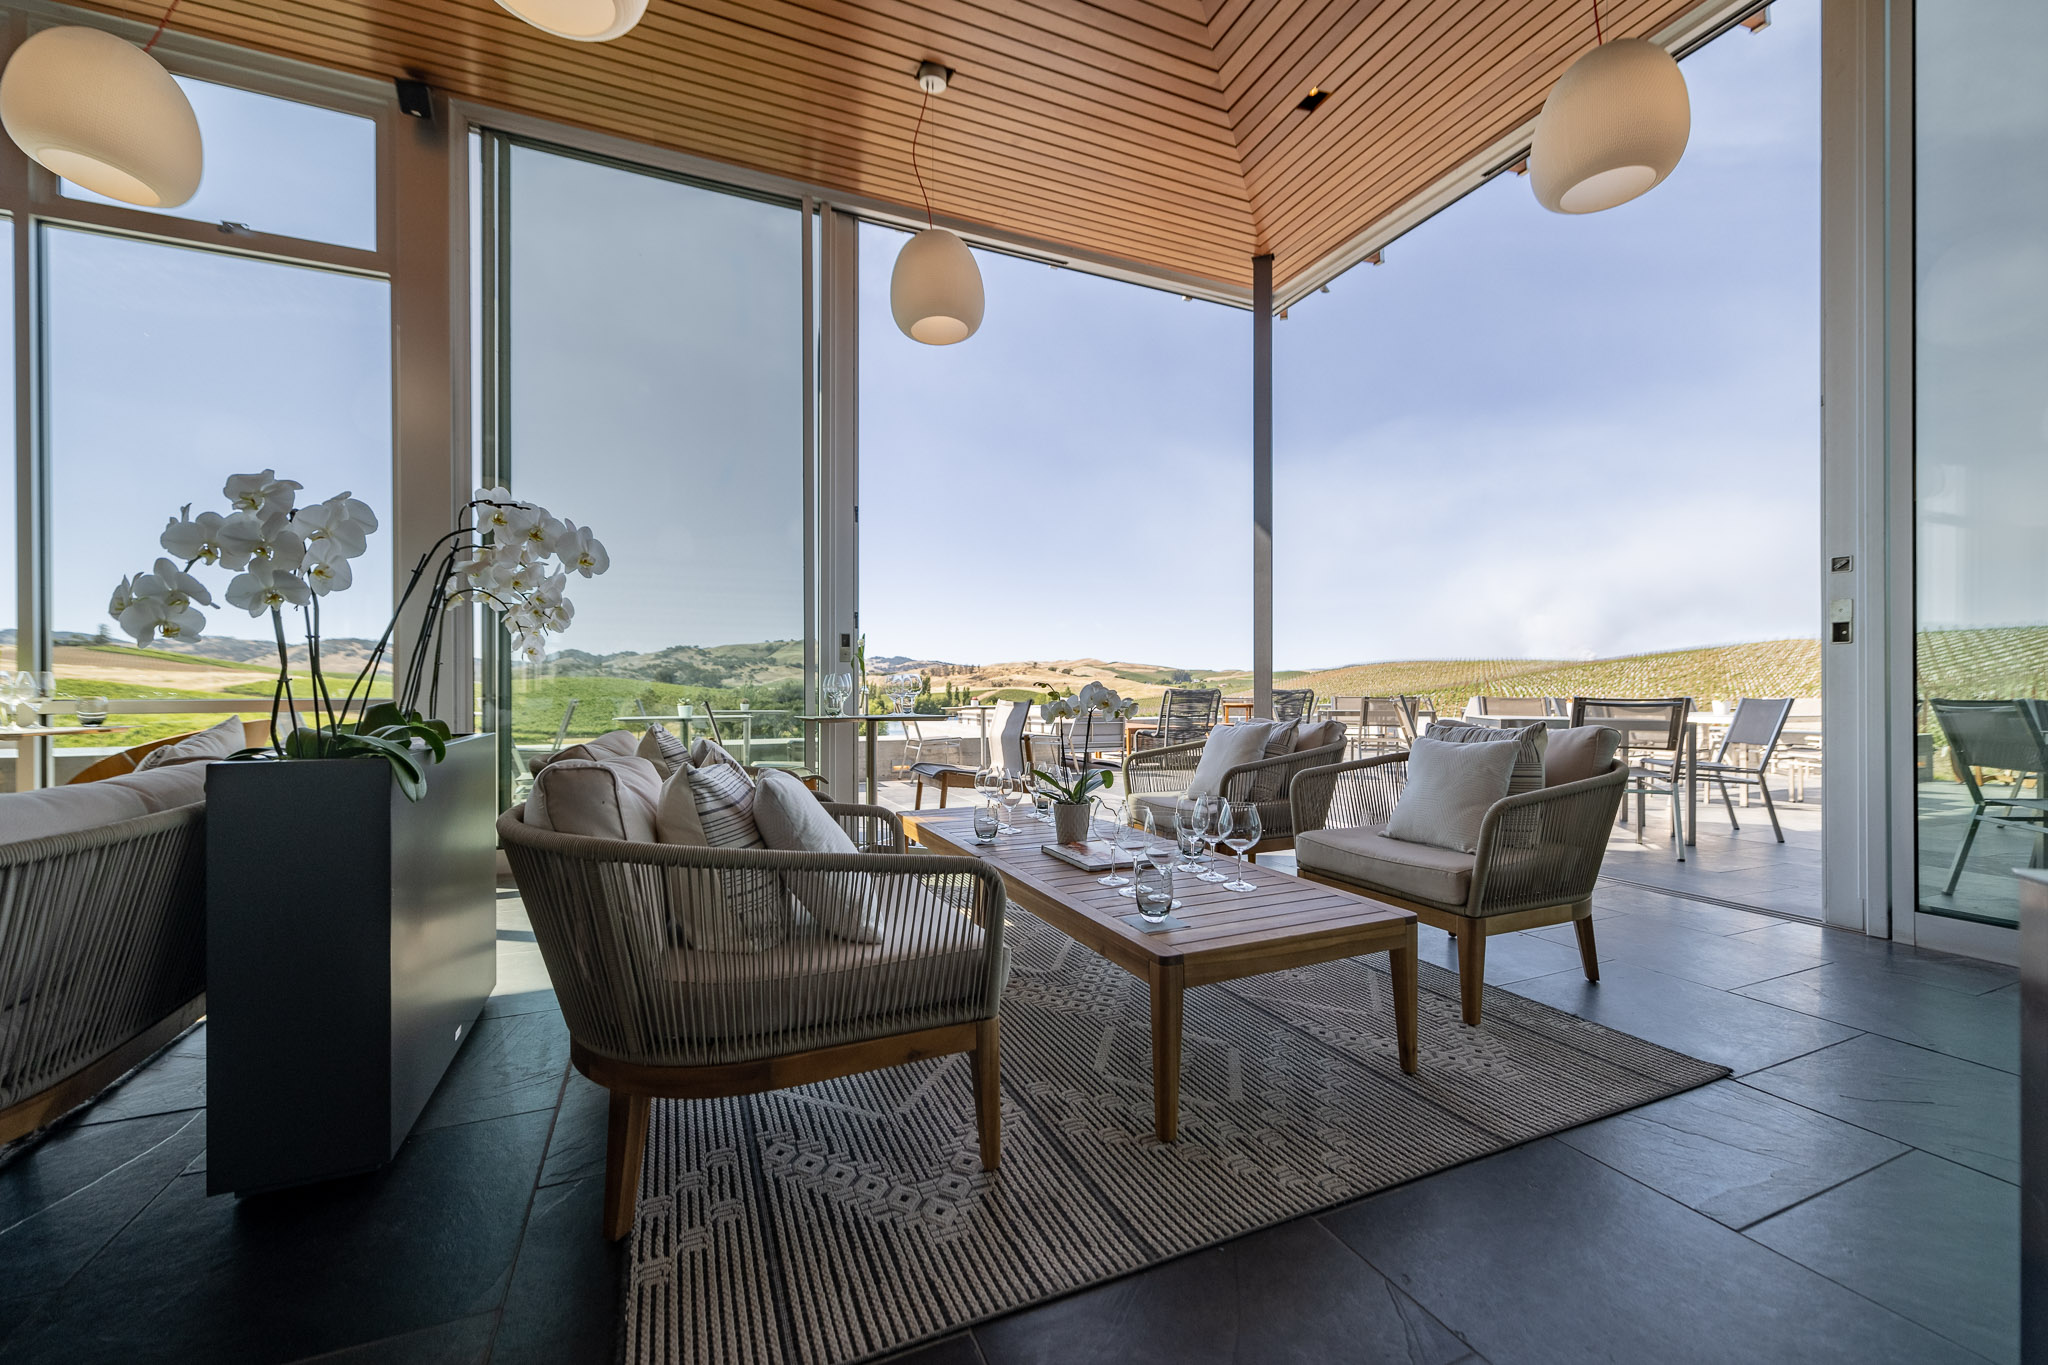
[(1285, 923)]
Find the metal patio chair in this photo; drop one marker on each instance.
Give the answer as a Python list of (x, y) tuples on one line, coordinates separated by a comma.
[(946, 776), (1751, 738), (1185, 713), (1999, 736), (1294, 703), (1652, 737)]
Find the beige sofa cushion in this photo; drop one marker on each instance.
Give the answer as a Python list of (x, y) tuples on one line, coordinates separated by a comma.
[(1368, 858), (46, 811), (1579, 753), (1161, 804), (217, 742), (612, 800), (611, 744), (181, 784), (1229, 746), (1318, 735), (734, 1006)]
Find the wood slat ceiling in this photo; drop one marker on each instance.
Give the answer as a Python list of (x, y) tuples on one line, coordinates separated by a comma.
[(1163, 133)]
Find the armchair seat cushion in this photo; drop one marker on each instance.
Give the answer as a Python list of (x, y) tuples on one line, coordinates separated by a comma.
[(814, 989), (1368, 858)]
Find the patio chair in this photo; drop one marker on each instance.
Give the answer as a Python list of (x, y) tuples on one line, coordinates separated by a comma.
[(1539, 857), (1388, 725), (946, 776), (1653, 746), (1185, 714), (1752, 737), (651, 1017), (1798, 756), (2001, 736), (1083, 737), (1154, 780), (1350, 712), (1293, 703), (1517, 708)]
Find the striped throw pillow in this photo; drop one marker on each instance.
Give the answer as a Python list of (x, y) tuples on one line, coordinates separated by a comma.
[(662, 749), (747, 912)]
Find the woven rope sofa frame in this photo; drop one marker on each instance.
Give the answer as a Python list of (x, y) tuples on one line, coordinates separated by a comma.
[(1158, 772), (650, 1018), (102, 958), (1539, 856)]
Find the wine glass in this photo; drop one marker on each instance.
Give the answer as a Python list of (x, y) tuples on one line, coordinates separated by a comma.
[(1129, 841), (1116, 846), (10, 693), (987, 785), (1041, 801), (1244, 832), (1187, 829), (1214, 829), (1158, 848), (1012, 795)]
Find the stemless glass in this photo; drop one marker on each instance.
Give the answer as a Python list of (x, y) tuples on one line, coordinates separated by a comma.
[(1154, 891), (92, 711), (1245, 829), (985, 824), (1214, 829)]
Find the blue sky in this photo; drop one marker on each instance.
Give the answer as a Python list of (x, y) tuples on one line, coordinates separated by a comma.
[(1525, 434)]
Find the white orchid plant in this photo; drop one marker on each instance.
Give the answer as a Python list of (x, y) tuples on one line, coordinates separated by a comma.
[(512, 556), (1092, 697)]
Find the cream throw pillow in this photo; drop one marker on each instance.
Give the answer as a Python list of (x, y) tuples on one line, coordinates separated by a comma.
[(208, 745), (1228, 746), (1450, 787), (612, 800), (790, 817)]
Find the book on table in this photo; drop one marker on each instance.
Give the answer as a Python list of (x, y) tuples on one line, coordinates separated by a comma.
[(1096, 855)]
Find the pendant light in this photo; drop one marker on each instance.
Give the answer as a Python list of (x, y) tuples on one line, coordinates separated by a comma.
[(935, 291), (104, 114), (1614, 126), (581, 21)]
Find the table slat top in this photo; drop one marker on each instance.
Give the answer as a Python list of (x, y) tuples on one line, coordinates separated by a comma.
[(1284, 910)]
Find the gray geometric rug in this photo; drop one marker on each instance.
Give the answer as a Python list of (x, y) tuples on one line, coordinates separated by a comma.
[(851, 1218)]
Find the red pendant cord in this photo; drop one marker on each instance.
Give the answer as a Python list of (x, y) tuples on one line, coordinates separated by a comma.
[(160, 26), (1598, 37), (913, 155)]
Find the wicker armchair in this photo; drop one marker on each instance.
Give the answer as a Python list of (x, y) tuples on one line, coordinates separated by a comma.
[(1539, 856), (650, 1016), (1154, 780), (102, 957)]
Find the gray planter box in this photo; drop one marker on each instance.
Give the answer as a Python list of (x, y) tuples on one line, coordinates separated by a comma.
[(351, 942)]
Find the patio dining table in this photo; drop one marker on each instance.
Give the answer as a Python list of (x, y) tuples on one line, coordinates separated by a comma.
[(873, 722)]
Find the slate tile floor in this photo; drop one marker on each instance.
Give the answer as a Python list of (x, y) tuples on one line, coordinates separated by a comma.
[(1848, 1195)]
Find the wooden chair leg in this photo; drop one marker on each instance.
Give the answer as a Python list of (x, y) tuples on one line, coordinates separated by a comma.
[(988, 1092), (1588, 956), (1401, 964), (918, 804), (944, 788), (1471, 968), (624, 1146)]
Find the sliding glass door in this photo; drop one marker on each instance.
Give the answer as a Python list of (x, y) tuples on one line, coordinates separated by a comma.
[(644, 378), (1981, 452)]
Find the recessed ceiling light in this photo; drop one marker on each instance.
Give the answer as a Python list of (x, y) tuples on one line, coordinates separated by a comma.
[(1314, 97)]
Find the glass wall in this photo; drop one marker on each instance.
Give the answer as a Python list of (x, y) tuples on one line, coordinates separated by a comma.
[(650, 341), (1980, 450), (170, 369), (1063, 497)]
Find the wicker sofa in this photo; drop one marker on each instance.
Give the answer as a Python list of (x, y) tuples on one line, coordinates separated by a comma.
[(1154, 780), (651, 1016), (1539, 855), (102, 935)]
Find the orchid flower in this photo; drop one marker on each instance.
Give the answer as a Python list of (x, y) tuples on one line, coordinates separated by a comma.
[(537, 537), (123, 598), (261, 589), (149, 615), (342, 521), (263, 493), (193, 539), (327, 568), (581, 551), (247, 538)]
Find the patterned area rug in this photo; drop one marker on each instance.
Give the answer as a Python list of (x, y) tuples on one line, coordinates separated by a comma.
[(851, 1218)]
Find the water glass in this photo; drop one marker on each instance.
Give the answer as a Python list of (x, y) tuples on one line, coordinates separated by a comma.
[(1154, 890), (92, 711), (985, 824)]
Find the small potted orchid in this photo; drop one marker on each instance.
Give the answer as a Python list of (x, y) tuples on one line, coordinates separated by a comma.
[(1072, 791), (512, 556)]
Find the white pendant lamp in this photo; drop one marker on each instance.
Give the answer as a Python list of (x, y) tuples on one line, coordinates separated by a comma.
[(1614, 126), (582, 21), (935, 291), (102, 113)]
